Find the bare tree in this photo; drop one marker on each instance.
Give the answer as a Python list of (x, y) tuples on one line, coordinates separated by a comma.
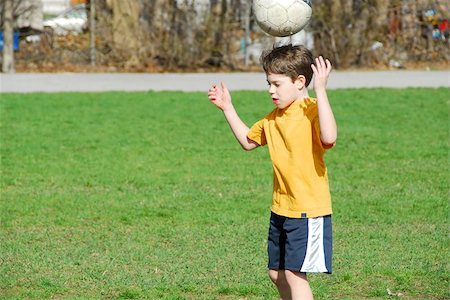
[(126, 29), (8, 38), (177, 35), (92, 27)]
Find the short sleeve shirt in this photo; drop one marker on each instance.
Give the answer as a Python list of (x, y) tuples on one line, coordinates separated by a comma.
[(300, 181)]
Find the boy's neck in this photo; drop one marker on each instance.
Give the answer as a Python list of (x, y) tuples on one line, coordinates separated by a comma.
[(303, 94)]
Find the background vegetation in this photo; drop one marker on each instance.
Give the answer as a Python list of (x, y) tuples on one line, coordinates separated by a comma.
[(147, 195), (199, 35)]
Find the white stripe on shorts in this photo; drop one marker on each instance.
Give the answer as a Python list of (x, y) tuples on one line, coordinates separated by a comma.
[(315, 254)]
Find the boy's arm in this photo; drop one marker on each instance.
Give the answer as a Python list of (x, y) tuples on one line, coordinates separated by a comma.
[(220, 96), (328, 127)]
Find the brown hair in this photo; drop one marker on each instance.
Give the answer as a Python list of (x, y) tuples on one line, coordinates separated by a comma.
[(288, 60)]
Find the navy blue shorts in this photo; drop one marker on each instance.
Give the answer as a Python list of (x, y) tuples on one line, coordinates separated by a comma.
[(300, 245)]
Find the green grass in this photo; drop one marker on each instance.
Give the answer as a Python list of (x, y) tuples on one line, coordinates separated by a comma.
[(148, 195)]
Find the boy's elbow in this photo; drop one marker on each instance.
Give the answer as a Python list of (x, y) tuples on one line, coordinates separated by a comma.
[(329, 140), (247, 147)]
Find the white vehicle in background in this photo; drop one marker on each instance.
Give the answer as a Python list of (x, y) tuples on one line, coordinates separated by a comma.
[(73, 20)]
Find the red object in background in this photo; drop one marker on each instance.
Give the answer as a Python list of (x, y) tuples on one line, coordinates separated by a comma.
[(76, 2), (444, 25), (394, 24)]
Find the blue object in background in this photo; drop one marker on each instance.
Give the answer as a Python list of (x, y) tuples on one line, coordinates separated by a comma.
[(15, 41)]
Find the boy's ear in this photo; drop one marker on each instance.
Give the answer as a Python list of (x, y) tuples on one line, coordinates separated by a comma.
[(300, 81)]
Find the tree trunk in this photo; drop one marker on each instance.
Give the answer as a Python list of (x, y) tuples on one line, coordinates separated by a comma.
[(92, 48), (126, 31), (246, 38), (8, 36)]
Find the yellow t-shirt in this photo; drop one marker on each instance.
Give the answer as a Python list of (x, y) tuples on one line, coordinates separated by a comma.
[(300, 181)]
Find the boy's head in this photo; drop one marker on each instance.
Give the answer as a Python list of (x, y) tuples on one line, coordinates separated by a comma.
[(289, 60)]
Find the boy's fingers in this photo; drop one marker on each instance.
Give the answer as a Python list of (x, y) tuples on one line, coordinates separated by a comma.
[(319, 63), (322, 65), (322, 60), (328, 64)]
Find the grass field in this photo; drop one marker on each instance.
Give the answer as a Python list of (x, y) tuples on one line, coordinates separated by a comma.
[(148, 196)]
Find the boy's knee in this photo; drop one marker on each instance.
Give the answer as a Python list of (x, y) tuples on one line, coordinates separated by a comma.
[(278, 277), (273, 274), (295, 278)]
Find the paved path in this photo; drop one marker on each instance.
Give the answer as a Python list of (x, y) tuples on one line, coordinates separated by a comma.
[(94, 82)]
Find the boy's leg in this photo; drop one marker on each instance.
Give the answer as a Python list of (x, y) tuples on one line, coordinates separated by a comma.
[(278, 277), (299, 285), (276, 251)]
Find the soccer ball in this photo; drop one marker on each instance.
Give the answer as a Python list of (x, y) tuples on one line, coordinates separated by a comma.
[(282, 17)]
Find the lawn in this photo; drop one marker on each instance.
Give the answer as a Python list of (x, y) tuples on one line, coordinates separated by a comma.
[(149, 196)]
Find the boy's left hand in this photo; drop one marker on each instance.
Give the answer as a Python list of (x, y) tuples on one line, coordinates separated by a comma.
[(321, 71)]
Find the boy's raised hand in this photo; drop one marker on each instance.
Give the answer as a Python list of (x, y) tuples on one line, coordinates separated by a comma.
[(321, 71), (220, 96)]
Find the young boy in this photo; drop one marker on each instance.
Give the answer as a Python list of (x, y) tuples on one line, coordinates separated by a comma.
[(298, 132)]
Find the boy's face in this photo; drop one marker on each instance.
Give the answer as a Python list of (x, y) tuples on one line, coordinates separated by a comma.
[(282, 90)]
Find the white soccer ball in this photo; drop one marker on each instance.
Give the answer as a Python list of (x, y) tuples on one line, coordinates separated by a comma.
[(282, 17)]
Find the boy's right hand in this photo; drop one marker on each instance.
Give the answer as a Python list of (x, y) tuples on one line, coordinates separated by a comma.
[(220, 96)]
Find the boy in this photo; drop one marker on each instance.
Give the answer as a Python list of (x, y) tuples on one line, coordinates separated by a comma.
[(298, 132)]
